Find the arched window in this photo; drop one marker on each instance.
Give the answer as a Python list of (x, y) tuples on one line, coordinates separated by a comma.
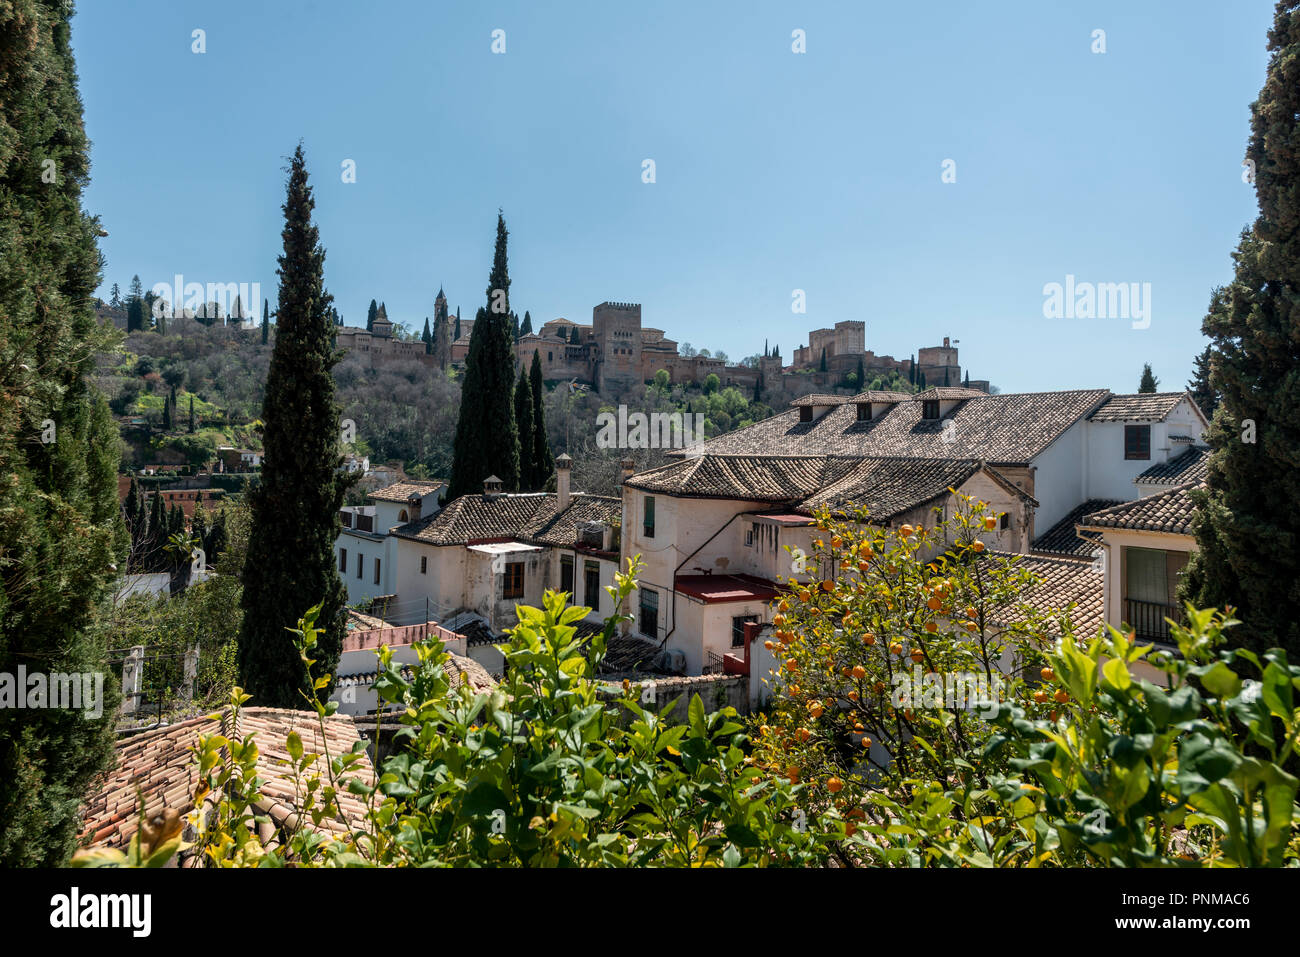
[(401, 516)]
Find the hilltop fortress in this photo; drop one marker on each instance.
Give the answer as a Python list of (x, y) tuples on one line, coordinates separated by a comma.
[(616, 353)]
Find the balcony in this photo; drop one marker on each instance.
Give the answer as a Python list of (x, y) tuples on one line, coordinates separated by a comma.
[(1147, 618)]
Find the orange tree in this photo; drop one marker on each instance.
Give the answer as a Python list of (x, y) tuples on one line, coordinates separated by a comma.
[(892, 662)]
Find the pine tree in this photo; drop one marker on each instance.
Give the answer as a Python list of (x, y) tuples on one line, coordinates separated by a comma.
[(266, 321), (1149, 382), (543, 462), (524, 425), (1203, 393), (294, 507), (487, 441), (135, 316), (527, 328), (1248, 518), (61, 531), (115, 297)]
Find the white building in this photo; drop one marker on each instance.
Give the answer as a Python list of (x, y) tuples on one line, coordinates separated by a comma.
[(364, 548)]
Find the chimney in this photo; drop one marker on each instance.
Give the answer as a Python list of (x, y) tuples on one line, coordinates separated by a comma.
[(414, 501), (629, 466), (945, 342), (562, 465), (491, 486)]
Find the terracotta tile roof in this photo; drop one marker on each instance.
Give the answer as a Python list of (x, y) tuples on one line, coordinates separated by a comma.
[(161, 764), (458, 669), (1063, 581), (887, 486), (402, 491), (949, 392), (877, 395), (1138, 407), (527, 517), (1190, 466), (890, 487), (561, 529), (1008, 428), (752, 478), (1063, 539), (1170, 511), (818, 398)]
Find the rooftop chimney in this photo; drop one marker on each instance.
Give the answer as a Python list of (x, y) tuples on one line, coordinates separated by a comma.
[(414, 501), (563, 464), (491, 486), (629, 466)]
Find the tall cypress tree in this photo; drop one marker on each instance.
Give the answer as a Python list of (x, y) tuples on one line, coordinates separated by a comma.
[(191, 413), (61, 530), (1203, 394), (527, 328), (427, 337), (524, 425), (266, 321), (371, 313), (294, 508), (456, 334), (542, 461), (487, 440), (1248, 521)]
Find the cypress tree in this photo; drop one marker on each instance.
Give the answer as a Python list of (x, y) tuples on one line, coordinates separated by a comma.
[(191, 413), (527, 328), (169, 401), (294, 507), (371, 313), (524, 424), (1149, 382), (456, 334), (427, 337), (821, 367), (156, 537), (542, 460), (1203, 394), (61, 530), (575, 336), (1248, 520), (266, 321), (487, 440)]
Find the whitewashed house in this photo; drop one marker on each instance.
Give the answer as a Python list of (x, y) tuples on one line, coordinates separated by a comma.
[(364, 548)]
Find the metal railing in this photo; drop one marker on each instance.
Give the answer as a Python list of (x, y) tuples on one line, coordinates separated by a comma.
[(1147, 618), (713, 665)]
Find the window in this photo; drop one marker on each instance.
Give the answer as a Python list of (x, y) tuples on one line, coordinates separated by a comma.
[(649, 612), (361, 560), (1004, 522), (343, 560), (591, 585), (864, 411), (376, 571), (930, 409), (738, 630), (1137, 442), (566, 573), (805, 413), (512, 585), (648, 518), (401, 516), (749, 537), (424, 564)]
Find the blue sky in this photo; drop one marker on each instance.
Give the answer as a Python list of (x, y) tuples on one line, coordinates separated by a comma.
[(775, 171)]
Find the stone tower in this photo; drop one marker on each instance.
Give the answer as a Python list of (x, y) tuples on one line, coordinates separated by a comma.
[(616, 331)]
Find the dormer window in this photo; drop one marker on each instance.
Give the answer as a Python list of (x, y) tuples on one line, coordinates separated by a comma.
[(864, 411), (930, 409), (805, 413)]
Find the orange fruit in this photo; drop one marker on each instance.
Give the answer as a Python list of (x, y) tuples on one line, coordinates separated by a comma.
[(1048, 674), (934, 603), (971, 612), (779, 621), (859, 672), (865, 742), (804, 735), (906, 531), (828, 585), (768, 645), (834, 785), (793, 774), (895, 649), (1040, 696), (836, 541), (852, 696), (791, 665), (868, 639), (977, 546), (879, 687), (804, 594), (816, 710), (850, 829), (863, 565), (784, 606), (990, 523), (931, 627), (1062, 696), (917, 655)]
